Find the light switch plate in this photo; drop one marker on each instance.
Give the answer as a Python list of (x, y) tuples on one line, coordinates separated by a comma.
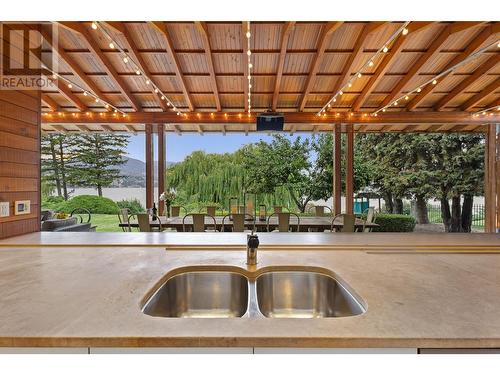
[(22, 207), (4, 209)]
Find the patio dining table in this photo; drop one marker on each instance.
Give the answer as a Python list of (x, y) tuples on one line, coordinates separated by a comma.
[(316, 223)]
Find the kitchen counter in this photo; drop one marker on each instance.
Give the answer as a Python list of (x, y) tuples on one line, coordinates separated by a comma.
[(86, 290)]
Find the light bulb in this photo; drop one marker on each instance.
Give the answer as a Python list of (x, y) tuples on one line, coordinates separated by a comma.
[(250, 65), (405, 31), (419, 89), (383, 110), (115, 111), (125, 60), (395, 103), (385, 49), (249, 52), (168, 104), (249, 77), (434, 82), (370, 63), (329, 105), (106, 106), (156, 91), (70, 85), (111, 45), (97, 100), (341, 93), (407, 97), (249, 85), (94, 26), (138, 72), (350, 84), (248, 34), (359, 75), (85, 93), (498, 45), (162, 97), (147, 82), (334, 100), (375, 114)]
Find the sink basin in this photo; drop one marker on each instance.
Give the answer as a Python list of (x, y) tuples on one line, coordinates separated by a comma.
[(200, 294), (302, 294)]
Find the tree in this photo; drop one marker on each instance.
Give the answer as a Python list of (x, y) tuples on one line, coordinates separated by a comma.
[(56, 162), (304, 167), (95, 156), (423, 166)]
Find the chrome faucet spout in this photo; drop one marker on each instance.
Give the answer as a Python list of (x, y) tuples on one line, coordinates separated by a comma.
[(252, 246)]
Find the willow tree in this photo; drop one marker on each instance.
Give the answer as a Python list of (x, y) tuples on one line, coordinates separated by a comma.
[(203, 178)]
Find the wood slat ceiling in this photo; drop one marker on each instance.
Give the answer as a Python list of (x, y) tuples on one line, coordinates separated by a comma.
[(225, 41)]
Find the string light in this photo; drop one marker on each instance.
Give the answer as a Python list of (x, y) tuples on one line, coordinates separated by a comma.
[(368, 63), (70, 86), (487, 111), (138, 70), (94, 26), (405, 31), (434, 80), (249, 77)]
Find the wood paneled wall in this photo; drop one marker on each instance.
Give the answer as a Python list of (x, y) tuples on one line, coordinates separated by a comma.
[(20, 159)]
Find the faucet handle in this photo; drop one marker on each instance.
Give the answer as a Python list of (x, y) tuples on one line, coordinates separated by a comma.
[(253, 241)]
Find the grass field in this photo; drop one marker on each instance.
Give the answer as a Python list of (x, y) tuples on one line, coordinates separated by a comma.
[(106, 223)]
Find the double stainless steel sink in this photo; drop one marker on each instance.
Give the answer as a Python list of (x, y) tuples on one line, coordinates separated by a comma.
[(276, 293)]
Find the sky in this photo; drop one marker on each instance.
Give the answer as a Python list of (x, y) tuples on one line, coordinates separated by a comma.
[(178, 147)]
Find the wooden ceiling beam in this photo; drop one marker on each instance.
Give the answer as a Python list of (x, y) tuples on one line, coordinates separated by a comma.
[(77, 71), (54, 107), (176, 129), (162, 28), (285, 34), (471, 48), (457, 27), (390, 117), (203, 29), (107, 128), (83, 128), (130, 128), (68, 94), (60, 129), (480, 96), (353, 57), (478, 74), (387, 60), (101, 57), (199, 129), (328, 29), (134, 53), (244, 61)]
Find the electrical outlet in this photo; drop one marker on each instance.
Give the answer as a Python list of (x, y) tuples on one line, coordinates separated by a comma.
[(22, 207), (4, 209)]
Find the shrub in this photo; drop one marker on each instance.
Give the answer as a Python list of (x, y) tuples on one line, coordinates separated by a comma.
[(394, 223), (52, 203), (93, 203), (133, 205)]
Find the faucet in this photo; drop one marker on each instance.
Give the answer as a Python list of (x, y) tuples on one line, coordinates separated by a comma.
[(252, 245)]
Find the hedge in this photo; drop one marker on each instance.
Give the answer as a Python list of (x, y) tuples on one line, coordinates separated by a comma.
[(93, 203), (394, 223)]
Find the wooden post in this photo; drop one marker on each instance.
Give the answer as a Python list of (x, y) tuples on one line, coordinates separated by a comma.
[(149, 166), (337, 178), (490, 205), (161, 164), (349, 170), (498, 177)]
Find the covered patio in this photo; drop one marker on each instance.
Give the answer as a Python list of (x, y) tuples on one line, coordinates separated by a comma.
[(216, 77)]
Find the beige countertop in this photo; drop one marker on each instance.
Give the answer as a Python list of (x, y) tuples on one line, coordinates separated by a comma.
[(52, 294)]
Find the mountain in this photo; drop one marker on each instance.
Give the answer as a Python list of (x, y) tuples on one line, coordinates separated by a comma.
[(134, 173)]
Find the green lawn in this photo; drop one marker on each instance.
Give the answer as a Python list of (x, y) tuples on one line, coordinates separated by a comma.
[(106, 223)]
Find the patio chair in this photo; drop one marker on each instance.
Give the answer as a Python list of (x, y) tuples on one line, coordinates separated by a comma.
[(123, 218), (145, 224), (349, 223), (239, 222), (370, 218), (320, 210), (284, 222), (82, 215), (199, 223), (210, 210), (176, 210)]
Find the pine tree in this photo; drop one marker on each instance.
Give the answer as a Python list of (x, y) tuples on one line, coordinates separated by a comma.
[(96, 158), (56, 162)]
